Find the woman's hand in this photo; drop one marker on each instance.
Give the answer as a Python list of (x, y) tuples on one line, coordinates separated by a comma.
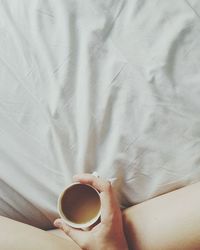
[(108, 234)]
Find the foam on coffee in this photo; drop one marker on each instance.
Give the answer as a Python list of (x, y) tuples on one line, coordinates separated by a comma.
[(80, 203)]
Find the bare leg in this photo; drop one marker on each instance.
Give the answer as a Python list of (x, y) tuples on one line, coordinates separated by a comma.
[(168, 222), (59, 233), (18, 236)]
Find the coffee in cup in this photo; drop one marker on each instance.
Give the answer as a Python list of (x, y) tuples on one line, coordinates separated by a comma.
[(79, 205)]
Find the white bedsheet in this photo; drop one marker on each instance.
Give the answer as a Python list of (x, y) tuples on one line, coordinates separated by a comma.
[(107, 86)]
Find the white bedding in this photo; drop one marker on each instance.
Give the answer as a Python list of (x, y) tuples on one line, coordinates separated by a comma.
[(107, 86)]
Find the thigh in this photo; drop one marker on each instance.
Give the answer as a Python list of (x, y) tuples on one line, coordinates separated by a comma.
[(19, 236), (58, 233), (169, 221)]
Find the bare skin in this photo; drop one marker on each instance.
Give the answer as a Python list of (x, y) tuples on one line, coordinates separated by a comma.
[(19, 236), (108, 234), (167, 222)]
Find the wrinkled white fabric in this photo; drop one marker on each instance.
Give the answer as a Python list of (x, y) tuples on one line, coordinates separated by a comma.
[(109, 86)]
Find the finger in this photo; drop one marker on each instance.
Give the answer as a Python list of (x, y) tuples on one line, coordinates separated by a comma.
[(108, 202), (77, 235), (99, 183)]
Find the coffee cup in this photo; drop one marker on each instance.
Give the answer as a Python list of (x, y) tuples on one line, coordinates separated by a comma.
[(79, 205)]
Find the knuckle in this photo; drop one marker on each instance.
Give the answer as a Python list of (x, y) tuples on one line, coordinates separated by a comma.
[(109, 220), (93, 182), (108, 186)]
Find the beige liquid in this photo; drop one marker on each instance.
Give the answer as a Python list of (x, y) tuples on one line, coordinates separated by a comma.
[(80, 203)]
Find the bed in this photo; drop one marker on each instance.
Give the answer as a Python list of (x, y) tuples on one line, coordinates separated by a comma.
[(108, 86)]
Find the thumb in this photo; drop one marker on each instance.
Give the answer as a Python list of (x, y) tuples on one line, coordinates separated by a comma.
[(77, 235)]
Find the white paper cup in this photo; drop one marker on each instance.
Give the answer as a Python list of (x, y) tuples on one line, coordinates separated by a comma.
[(79, 205)]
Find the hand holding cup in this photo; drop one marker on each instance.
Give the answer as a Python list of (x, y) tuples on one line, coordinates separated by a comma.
[(108, 233)]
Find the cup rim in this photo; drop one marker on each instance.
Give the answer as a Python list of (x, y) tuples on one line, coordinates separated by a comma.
[(70, 223)]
